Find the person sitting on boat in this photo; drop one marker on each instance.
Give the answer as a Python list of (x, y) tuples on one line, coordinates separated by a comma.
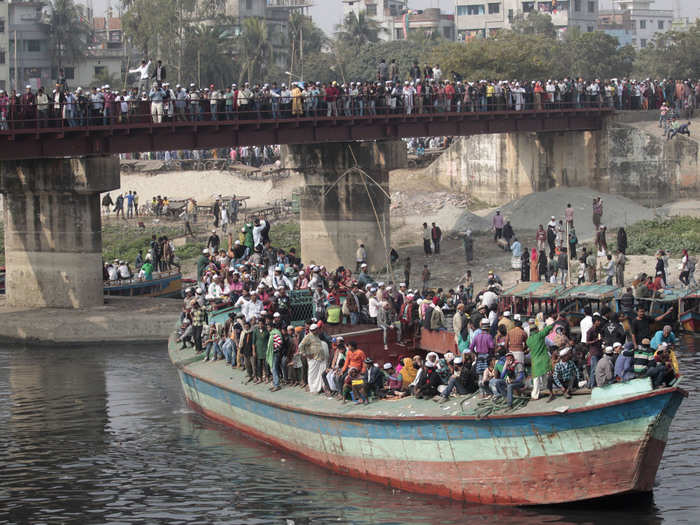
[(375, 378), (624, 364), (392, 380), (113, 271), (463, 379), (334, 374), (605, 369), (512, 378), (215, 292), (489, 374), (662, 369), (665, 335), (354, 386), (566, 375), (428, 381), (408, 373)]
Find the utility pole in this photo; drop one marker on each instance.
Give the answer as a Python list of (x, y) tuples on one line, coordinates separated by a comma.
[(568, 256)]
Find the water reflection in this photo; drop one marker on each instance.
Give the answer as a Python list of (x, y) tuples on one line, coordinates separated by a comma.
[(101, 435)]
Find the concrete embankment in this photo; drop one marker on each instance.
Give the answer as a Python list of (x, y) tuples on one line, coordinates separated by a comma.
[(120, 319)]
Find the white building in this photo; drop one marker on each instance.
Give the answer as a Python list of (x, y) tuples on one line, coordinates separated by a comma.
[(480, 18), (644, 21), (397, 20)]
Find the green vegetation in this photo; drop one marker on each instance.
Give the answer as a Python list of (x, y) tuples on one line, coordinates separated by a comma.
[(286, 236), (673, 235)]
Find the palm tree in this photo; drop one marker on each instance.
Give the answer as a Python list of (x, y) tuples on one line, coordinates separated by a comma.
[(255, 48), (69, 33), (208, 54), (359, 29)]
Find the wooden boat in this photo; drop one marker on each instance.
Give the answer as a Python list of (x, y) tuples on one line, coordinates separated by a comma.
[(163, 284), (605, 444), (689, 312)]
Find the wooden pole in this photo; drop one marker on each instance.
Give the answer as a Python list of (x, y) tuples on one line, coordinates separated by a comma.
[(568, 256)]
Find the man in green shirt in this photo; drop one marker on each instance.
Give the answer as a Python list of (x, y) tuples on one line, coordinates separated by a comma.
[(202, 263), (540, 359), (260, 338)]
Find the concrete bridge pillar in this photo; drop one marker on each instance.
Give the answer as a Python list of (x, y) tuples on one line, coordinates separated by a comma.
[(53, 234), (342, 207)]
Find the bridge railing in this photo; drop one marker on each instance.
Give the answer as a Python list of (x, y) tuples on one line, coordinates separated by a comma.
[(26, 117)]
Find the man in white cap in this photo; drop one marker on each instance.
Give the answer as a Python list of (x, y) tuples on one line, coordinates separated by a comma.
[(316, 353), (605, 370)]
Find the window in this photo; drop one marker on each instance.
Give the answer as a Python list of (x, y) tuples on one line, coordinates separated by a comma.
[(528, 6), (248, 5), (371, 9), (100, 70), (642, 24), (2, 82), (2, 56), (643, 42), (2, 25), (447, 32), (510, 15), (577, 5), (470, 10), (33, 45), (661, 24), (590, 29), (398, 34), (115, 36), (494, 9), (591, 6)]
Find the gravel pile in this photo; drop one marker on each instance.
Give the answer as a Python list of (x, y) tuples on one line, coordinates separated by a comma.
[(532, 210)]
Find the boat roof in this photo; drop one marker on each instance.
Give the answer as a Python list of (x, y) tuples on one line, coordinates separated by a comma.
[(589, 291), (535, 290), (295, 398), (669, 295)]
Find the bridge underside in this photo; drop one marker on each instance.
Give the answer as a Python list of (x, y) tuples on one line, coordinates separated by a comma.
[(123, 138)]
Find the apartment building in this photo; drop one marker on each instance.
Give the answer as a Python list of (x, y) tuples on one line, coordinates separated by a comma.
[(481, 18), (4, 44), (635, 22)]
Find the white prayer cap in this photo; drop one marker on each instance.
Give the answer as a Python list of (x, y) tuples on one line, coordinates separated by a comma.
[(506, 313), (387, 366), (313, 327), (608, 349), (564, 351)]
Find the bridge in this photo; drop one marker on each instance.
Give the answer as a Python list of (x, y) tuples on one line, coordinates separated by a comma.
[(52, 178), (27, 141)]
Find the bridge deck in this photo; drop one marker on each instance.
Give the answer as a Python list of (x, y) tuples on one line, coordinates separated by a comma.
[(30, 143)]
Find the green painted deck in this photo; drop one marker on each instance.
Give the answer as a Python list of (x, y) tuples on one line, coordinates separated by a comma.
[(589, 291), (235, 379)]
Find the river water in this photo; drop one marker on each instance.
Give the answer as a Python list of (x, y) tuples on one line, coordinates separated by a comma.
[(102, 435)]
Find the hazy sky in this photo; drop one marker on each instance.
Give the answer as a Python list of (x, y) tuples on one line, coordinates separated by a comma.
[(328, 13)]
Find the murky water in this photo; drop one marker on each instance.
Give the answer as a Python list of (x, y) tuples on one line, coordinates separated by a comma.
[(102, 435)]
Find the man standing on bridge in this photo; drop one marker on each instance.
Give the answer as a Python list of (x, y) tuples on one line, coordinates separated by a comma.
[(142, 70)]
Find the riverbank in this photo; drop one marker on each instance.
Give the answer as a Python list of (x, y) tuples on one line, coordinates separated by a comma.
[(120, 319)]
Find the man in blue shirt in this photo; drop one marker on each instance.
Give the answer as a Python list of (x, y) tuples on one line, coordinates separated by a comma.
[(664, 336), (157, 95), (129, 205)]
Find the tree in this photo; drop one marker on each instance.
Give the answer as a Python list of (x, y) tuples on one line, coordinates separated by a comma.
[(208, 55), (255, 49), (305, 38), (534, 23), (672, 55), (104, 78), (69, 33), (151, 26), (357, 30), (594, 55)]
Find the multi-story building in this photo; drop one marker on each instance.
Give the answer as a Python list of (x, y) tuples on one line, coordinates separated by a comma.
[(28, 49), (106, 55), (634, 22), (481, 18), (397, 20), (4, 44)]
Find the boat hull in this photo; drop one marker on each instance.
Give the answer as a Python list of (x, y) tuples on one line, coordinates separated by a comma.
[(535, 459), (690, 321), (167, 285)]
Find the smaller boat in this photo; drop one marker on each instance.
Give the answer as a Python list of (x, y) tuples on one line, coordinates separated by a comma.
[(689, 312), (163, 284)]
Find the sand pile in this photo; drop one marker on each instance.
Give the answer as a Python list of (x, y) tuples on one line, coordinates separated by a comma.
[(532, 210)]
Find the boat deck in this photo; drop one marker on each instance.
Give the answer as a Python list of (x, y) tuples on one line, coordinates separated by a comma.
[(219, 373)]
